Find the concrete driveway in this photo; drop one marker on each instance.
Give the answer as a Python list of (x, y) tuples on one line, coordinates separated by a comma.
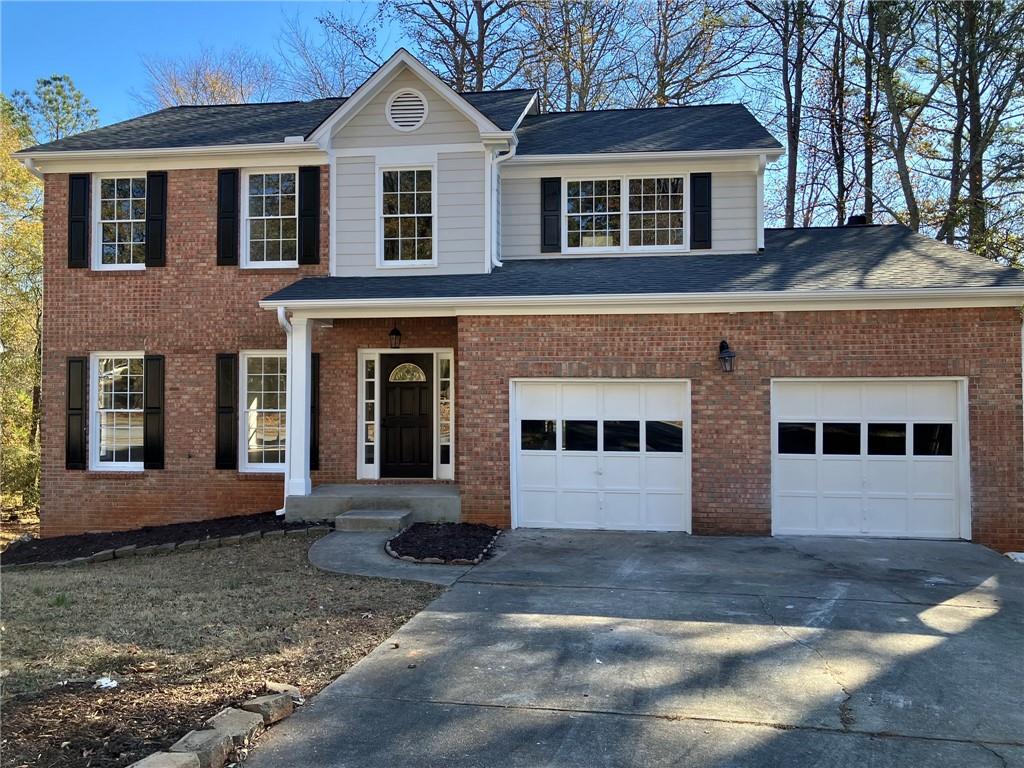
[(621, 649)]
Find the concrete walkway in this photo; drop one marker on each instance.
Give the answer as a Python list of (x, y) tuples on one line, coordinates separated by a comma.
[(617, 649), (362, 554)]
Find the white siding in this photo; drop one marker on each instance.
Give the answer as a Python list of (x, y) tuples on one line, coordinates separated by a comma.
[(370, 126), (733, 203), (459, 206), (354, 237)]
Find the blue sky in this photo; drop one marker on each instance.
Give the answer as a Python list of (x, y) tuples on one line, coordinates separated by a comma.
[(100, 44)]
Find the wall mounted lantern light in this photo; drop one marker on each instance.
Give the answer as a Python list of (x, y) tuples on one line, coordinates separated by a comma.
[(395, 338), (726, 357)]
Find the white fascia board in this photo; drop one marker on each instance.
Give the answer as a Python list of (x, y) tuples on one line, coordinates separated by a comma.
[(170, 158), (669, 303), (526, 111), (597, 157), (379, 79)]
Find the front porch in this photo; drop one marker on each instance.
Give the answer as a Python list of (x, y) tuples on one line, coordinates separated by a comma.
[(424, 502)]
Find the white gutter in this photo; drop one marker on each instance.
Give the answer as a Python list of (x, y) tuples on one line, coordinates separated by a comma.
[(1006, 296), (282, 319), (232, 149), (498, 160), (595, 157), (30, 166)]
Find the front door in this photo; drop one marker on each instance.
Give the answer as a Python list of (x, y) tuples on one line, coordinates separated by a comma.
[(407, 421)]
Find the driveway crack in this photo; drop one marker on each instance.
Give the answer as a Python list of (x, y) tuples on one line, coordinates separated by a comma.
[(846, 716), (999, 757)]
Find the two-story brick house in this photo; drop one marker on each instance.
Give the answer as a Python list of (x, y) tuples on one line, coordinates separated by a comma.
[(563, 320)]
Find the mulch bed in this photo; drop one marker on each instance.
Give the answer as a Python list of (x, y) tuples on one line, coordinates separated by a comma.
[(68, 547), (446, 542)]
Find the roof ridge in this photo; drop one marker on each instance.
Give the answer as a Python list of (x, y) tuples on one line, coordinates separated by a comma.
[(246, 104), (497, 90), (894, 225), (642, 109)]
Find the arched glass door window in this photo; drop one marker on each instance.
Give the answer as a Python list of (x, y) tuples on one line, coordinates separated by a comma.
[(407, 372)]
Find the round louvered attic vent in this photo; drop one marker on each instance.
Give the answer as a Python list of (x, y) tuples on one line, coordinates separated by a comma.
[(407, 109)]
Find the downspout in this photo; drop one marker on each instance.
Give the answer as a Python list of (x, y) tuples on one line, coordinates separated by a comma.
[(498, 160), (286, 326), (30, 165)]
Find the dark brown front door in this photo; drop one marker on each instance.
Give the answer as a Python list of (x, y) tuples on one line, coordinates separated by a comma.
[(407, 422)]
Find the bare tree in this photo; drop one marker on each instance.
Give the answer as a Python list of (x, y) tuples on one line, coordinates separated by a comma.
[(688, 51), (791, 23), (318, 64), (236, 76), (577, 52), (471, 44)]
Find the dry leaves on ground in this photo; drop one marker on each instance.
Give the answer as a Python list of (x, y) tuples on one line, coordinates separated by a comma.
[(184, 635)]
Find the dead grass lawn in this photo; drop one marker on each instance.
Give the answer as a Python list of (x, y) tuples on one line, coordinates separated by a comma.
[(185, 634)]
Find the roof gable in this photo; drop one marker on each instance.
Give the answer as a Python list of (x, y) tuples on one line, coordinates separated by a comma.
[(363, 95)]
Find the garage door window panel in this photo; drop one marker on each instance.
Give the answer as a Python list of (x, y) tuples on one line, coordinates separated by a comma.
[(840, 439), (537, 435), (887, 439), (933, 439), (799, 438), (622, 436), (579, 435), (663, 436)]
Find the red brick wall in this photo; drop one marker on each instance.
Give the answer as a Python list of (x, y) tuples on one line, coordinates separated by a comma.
[(192, 309), (188, 311), (731, 413)]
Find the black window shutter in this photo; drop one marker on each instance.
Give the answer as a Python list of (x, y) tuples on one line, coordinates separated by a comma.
[(75, 451), (227, 217), (153, 412), (551, 215), (156, 218), (314, 412), (227, 411), (309, 214), (79, 185), (700, 210)]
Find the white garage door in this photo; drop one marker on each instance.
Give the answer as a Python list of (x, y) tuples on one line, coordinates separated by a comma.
[(601, 454), (868, 458)]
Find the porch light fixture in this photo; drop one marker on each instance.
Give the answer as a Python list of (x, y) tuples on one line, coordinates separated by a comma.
[(726, 357), (395, 338)]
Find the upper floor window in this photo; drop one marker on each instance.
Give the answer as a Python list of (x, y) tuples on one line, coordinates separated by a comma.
[(269, 227), (593, 213), (121, 222), (407, 216), (117, 384), (638, 213)]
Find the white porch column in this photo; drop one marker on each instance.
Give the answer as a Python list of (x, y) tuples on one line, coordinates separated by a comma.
[(296, 480)]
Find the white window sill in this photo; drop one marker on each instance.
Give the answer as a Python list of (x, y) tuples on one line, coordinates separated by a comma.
[(262, 469), (111, 467), (118, 267), (271, 265), (406, 264)]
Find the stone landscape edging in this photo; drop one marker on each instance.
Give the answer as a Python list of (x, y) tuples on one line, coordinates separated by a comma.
[(437, 560), (133, 550), (229, 733)]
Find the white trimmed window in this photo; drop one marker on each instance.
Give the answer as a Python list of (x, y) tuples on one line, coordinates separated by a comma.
[(120, 222), (270, 221), (656, 212), (407, 220), (117, 395), (626, 214), (264, 405), (593, 210)]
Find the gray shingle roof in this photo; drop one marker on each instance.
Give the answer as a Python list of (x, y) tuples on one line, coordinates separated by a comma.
[(800, 260), (231, 124), (698, 128)]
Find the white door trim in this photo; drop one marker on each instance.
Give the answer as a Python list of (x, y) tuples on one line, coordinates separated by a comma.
[(513, 434), (963, 441), (366, 471)]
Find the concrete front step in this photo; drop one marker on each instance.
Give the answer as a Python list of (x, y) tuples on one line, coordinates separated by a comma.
[(428, 502), (373, 520)]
